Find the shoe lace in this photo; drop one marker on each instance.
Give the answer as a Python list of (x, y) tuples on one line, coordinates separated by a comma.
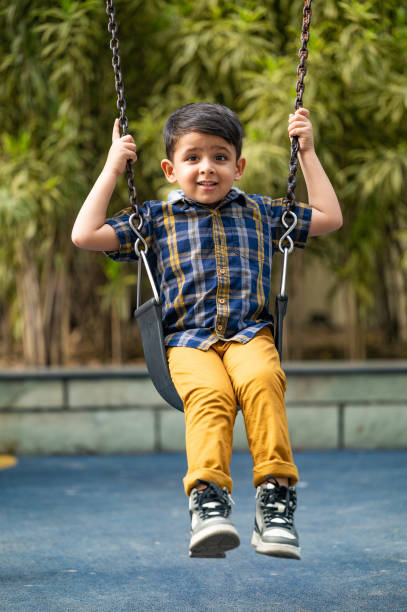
[(279, 503), (213, 501)]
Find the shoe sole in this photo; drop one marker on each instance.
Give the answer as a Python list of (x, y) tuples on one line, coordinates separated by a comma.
[(212, 543), (275, 549)]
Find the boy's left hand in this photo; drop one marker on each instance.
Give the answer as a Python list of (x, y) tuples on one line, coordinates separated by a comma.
[(300, 125)]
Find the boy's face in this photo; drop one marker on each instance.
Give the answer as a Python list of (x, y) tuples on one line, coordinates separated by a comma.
[(205, 167)]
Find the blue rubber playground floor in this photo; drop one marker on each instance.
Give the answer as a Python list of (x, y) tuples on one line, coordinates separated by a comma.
[(111, 533)]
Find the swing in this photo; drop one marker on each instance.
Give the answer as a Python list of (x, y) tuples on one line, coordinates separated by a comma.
[(148, 315)]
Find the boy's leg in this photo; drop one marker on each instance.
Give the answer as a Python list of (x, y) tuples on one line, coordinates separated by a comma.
[(210, 411), (259, 384)]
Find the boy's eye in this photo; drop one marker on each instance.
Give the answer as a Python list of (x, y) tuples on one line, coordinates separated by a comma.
[(192, 157), (221, 157)]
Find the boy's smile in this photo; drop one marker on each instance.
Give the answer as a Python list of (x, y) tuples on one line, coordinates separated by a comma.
[(205, 167)]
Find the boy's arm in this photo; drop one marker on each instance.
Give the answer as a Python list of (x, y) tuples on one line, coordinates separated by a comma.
[(90, 230), (326, 211)]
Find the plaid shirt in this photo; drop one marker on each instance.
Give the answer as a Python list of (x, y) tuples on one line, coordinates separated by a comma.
[(212, 266)]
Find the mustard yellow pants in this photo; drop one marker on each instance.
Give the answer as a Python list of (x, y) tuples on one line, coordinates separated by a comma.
[(211, 384)]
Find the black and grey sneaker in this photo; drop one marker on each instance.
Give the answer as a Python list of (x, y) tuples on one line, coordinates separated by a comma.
[(274, 531), (212, 531)]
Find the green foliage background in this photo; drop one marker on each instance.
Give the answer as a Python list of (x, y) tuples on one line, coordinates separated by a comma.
[(57, 107)]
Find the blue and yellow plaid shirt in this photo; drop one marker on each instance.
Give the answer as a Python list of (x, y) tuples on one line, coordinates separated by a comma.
[(212, 266)]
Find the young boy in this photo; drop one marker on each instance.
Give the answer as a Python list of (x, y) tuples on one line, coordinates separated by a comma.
[(210, 246)]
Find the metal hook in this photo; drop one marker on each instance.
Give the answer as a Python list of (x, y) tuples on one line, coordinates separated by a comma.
[(286, 235)]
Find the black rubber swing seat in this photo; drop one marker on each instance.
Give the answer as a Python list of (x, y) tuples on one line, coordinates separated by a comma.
[(148, 317), (279, 314)]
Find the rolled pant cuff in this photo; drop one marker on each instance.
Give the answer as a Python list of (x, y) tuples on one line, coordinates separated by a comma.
[(221, 479), (276, 468)]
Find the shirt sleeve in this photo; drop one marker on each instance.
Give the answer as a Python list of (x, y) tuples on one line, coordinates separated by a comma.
[(299, 235), (125, 234)]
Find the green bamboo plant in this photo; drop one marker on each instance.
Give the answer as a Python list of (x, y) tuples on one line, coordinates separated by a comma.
[(57, 106)]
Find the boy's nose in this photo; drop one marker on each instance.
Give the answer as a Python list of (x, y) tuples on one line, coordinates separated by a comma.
[(206, 167)]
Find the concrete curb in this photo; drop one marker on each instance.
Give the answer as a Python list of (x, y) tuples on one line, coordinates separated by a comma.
[(117, 410)]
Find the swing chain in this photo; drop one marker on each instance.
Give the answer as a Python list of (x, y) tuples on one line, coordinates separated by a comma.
[(301, 72), (136, 219)]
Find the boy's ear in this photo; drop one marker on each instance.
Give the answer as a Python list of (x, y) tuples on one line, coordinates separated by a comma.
[(240, 166), (169, 170)]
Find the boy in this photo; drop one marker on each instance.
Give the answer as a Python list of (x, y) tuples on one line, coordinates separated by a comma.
[(210, 247)]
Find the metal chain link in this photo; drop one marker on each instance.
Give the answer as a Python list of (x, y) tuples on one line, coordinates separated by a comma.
[(289, 201), (301, 72), (136, 219)]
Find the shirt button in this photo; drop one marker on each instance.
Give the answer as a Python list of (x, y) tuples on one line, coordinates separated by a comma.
[(222, 270), (221, 300)]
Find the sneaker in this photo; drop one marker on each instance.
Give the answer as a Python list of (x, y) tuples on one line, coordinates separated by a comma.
[(274, 532), (212, 531)]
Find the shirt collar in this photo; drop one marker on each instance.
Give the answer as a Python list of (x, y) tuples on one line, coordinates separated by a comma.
[(177, 195)]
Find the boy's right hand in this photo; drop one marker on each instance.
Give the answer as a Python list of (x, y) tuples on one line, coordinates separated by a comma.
[(122, 149)]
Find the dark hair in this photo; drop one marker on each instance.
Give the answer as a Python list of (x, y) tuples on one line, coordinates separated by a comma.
[(206, 118)]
